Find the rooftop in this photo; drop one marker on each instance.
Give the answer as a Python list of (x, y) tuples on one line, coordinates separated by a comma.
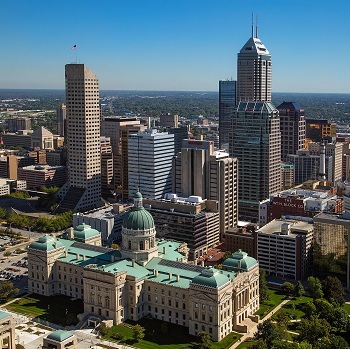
[(60, 335)]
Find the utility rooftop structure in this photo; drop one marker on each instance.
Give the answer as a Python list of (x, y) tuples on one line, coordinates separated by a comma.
[(146, 277)]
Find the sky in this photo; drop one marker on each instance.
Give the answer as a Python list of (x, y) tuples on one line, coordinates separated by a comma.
[(173, 44)]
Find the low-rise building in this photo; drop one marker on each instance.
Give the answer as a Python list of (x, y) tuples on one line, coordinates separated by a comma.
[(191, 220), (43, 176), (60, 339), (7, 331), (285, 248), (146, 277)]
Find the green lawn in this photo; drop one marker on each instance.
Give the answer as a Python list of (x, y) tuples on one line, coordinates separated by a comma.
[(347, 308), (57, 309), (276, 297), (294, 307), (160, 334)]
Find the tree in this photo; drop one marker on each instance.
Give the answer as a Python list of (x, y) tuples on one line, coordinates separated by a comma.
[(339, 320), (3, 213), (7, 254), (263, 289), (309, 309), (260, 344), (7, 290), (299, 289), (314, 329), (204, 340), (333, 290), (315, 287), (138, 333), (226, 255), (288, 288), (331, 342), (268, 331)]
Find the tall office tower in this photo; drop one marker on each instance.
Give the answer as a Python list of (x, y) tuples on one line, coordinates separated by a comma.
[(254, 71), (150, 163), (334, 150), (16, 123), (318, 130), (223, 187), (83, 190), (194, 163), (118, 129), (292, 126), (227, 104), (61, 120), (107, 187), (200, 171), (180, 133), (256, 143), (307, 166)]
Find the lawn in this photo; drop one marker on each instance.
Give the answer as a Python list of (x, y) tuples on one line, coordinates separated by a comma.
[(294, 307), (159, 334), (346, 306), (276, 297), (60, 310)]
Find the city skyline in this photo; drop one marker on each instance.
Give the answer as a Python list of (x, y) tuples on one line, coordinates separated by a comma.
[(160, 45)]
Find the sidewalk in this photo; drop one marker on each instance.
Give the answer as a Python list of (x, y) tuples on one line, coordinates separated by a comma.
[(255, 328)]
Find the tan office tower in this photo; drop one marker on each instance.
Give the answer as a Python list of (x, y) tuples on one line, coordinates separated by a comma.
[(83, 190), (254, 71), (118, 129), (223, 187)]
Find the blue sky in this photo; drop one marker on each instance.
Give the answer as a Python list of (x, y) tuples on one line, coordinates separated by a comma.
[(173, 44)]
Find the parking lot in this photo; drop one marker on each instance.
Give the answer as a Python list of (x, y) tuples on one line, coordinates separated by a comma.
[(14, 267)]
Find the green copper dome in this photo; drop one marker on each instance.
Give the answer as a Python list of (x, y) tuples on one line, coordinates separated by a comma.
[(211, 278), (60, 335), (84, 232), (240, 260), (138, 218), (46, 243)]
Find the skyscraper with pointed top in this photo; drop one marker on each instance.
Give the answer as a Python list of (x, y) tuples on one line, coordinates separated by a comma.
[(255, 138), (254, 71)]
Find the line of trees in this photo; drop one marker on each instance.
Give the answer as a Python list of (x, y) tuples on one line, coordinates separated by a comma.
[(324, 325)]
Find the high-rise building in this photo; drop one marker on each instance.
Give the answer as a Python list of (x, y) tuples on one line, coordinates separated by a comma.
[(318, 130), (107, 187), (83, 188), (150, 163), (118, 129), (256, 143), (16, 123), (255, 138), (254, 71), (227, 104), (292, 127), (61, 120)]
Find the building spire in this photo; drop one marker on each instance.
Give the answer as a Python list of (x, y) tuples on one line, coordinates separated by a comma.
[(256, 26), (252, 24)]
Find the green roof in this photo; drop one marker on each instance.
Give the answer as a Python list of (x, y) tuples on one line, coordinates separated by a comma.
[(46, 243), (211, 278), (4, 315), (60, 335), (138, 219), (84, 232), (240, 260)]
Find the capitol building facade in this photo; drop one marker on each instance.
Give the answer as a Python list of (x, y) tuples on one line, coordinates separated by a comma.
[(146, 277)]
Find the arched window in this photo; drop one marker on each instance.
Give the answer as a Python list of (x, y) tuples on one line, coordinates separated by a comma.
[(152, 243), (142, 245), (129, 245)]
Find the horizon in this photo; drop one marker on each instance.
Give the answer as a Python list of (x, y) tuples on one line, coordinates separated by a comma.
[(174, 46)]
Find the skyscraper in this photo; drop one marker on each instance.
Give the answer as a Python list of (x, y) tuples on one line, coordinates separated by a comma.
[(292, 126), (254, 71), (150, 163), (61, 120), (83, 189), (255, 138), (227, 104)]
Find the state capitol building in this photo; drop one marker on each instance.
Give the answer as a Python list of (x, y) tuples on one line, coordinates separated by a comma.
[(147, 276)]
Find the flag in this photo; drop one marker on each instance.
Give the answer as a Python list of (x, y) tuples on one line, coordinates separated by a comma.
[(74, 47)]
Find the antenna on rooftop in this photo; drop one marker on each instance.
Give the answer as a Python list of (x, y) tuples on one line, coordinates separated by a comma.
[(252, 24), (256, 28)]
